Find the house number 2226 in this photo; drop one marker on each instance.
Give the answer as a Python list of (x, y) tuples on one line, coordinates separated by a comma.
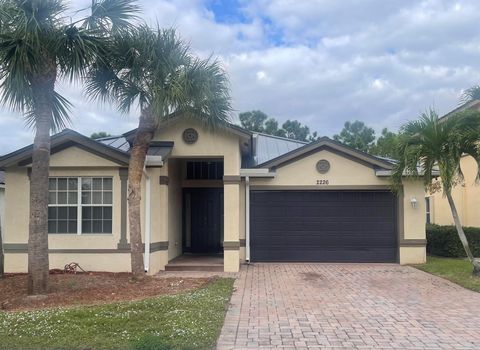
[(322, 182)]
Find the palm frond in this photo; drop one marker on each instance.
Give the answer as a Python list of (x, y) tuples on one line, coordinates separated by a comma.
[(430, 142), (61, 108), (112, 15)]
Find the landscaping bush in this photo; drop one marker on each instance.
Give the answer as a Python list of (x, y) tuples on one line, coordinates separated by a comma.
[(444, 241)]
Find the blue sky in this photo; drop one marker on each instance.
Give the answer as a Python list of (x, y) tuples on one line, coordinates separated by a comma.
[(322, 62)]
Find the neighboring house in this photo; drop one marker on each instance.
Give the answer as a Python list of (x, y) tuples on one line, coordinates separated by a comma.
[(467, 197), (245, 195)]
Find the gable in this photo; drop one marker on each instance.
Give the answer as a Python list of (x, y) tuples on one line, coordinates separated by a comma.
[(326, 143), (344, 171), (75, 156), (218, 143), (64, 140)]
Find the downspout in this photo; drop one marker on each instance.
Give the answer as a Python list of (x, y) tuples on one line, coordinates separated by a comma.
[(146, 256), (247, 219)]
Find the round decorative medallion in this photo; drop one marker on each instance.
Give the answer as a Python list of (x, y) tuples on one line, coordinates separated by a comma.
[(323, 166), (190, 135)]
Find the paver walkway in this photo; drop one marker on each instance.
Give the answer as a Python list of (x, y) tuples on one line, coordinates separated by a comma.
[(366, 306)]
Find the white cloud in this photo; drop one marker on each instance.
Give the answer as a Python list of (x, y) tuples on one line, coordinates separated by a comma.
[(322, 61)]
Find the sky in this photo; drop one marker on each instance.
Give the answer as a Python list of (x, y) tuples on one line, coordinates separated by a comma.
[(322, 62)]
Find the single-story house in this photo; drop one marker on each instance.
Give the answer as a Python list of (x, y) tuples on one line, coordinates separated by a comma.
[(466, 197), (247, 196)]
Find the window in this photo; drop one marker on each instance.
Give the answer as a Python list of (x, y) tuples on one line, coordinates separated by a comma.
[(205, 170), (427, 207), (80, 205)]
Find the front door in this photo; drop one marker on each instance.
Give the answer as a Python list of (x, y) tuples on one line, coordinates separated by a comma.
[(205, 206)]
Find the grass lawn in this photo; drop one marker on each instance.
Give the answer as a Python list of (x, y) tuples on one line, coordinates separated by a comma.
[(458, 271), (184, 321)]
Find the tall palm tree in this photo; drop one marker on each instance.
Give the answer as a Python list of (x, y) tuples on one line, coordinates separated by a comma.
[(470, 94), (38, 45), (432, 142), (154, 71)]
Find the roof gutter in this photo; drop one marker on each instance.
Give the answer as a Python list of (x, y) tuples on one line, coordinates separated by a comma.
[(387, 173), (260, 172)]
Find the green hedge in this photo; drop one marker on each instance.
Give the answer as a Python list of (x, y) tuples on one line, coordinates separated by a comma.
[(444, 241)]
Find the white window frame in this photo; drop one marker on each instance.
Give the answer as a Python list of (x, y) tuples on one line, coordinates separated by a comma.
[(79, 203)]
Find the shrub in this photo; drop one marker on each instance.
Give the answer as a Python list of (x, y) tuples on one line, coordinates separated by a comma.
[(444, 241), (151, 342)]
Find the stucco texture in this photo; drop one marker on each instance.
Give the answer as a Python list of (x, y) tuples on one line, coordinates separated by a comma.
[(466, 197)]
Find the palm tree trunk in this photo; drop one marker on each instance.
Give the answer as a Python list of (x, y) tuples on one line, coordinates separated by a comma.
[(143, 136), (461, 235), (38, 262)]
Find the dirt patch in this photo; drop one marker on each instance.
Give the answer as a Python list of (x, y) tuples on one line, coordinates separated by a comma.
[(67, 290)]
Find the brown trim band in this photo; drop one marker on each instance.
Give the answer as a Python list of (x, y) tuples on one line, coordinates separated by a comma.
[(232, 179), (413, 243), (158, 246), (163, 180), (23, 248), (243, 242), (233, 245)]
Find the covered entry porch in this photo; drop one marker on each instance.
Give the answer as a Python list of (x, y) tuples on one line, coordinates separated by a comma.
[(199, 215)]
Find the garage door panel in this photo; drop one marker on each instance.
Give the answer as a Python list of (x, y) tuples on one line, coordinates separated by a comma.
[(328, 239), (323, 226), (352, 255)]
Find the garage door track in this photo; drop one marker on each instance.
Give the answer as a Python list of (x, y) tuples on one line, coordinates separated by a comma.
[(337, 306)]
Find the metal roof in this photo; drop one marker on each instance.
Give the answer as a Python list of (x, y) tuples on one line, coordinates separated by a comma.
[(119, 142), (269, 147)]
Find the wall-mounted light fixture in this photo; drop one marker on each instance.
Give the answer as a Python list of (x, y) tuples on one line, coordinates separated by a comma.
[(414, 202)]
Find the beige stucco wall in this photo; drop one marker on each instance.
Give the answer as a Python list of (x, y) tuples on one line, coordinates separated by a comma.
[(218, 144), (73, 162), (2, 208), (343, 172), (414, 218), (466, 198)]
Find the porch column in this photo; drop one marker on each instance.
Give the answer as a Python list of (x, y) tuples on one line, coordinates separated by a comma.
[(231, 243), (159, 220)]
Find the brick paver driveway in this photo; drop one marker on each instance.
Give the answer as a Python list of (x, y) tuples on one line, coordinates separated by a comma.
[(349, 306)]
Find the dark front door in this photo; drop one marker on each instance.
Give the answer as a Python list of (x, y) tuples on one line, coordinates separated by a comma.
[(205, 207), (323, 226)]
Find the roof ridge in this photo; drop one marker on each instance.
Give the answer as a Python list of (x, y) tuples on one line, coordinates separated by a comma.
[(280, 137)]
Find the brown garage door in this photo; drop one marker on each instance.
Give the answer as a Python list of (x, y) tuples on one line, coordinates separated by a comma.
[(323, 226)]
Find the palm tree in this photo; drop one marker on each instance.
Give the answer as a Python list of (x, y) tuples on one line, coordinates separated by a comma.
[(431, 142), (38, 45), (155, 71), (470, 94)]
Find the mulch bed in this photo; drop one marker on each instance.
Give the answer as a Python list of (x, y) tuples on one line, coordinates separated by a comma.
[(91, 288)]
